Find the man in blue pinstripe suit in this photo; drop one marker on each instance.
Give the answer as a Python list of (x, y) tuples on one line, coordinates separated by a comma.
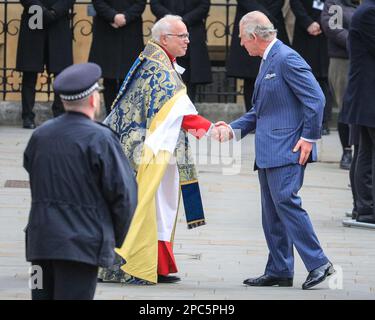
[(287, 113)]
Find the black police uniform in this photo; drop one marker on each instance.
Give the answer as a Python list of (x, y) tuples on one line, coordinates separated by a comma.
[(83, 195)]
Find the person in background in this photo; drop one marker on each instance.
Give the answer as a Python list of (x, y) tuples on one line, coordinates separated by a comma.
[(117, 39), (311, 43), (196, 62), (359, 106), (337, 36), (49, 47)]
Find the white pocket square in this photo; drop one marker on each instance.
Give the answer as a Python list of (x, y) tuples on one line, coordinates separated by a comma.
[(270, 76)]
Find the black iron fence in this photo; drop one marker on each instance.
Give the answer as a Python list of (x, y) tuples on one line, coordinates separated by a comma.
[(219, 25)]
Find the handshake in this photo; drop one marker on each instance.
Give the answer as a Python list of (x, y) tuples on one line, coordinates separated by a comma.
[(221, 132)]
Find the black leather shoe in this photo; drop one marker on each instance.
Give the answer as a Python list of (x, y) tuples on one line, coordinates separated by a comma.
[(318, 275), (268, 281), (367, 218), (346, 159), (354, 214), (28, 124), (168, 279)]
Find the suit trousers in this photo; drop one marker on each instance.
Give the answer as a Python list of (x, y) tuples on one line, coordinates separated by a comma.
[(365, 172), (66, 280), (352, 175), (286, 223), (28, 97), (248, 90)]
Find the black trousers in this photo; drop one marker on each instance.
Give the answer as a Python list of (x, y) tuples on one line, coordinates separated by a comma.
[(65, 280), (28, 97), (352, 175), (111, 89), (323, 82), (248, 90), (344, 131), (365, 172), (191, 89)]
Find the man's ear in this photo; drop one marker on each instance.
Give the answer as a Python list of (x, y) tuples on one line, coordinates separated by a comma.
[(163, 40), (91, 101)]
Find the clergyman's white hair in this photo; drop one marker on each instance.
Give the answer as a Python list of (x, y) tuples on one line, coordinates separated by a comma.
[(163, 26), (258, 23)]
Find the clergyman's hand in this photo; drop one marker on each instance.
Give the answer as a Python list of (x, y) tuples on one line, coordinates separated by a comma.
[(305, 148)]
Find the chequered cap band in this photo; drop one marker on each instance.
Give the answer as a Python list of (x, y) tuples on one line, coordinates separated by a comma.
[(80, 95)]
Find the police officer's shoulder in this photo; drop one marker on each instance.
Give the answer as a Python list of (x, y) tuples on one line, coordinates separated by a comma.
[(46, 128)]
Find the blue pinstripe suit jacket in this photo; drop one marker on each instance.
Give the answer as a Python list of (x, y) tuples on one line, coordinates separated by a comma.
[(288, 104)]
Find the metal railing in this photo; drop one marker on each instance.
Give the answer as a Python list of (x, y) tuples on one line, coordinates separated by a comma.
[(218, 26)]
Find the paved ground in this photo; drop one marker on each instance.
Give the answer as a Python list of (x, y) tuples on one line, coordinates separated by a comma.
[(214, 259)]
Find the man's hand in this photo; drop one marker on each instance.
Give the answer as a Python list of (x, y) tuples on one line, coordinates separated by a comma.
[(215, 133), (306, 148), (119, 20), (224, 131), (314, 29)]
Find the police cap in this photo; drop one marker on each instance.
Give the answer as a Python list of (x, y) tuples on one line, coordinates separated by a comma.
[(77, 81)]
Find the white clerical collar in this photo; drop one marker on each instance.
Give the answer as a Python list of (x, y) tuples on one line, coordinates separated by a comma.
[(178, 68), (268, 49)]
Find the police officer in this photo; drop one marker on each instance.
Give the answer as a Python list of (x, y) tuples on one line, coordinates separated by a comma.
[(47, 46), (83, 191)]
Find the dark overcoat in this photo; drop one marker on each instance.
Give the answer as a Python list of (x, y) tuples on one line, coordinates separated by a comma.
[(359, 105), (194, 14), (83, 191), (314, 49), (239, 63), (337, 37), (115, 50), (51, 45)]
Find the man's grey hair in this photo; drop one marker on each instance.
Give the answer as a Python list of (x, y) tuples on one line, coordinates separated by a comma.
[(255, 22), (163, 26), (76, 105)]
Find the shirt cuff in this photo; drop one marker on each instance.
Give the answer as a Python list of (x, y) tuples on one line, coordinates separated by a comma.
[(309, 140), (234, 136)]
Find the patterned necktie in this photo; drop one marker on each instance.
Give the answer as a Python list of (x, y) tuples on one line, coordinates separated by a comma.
[(261, 65)]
